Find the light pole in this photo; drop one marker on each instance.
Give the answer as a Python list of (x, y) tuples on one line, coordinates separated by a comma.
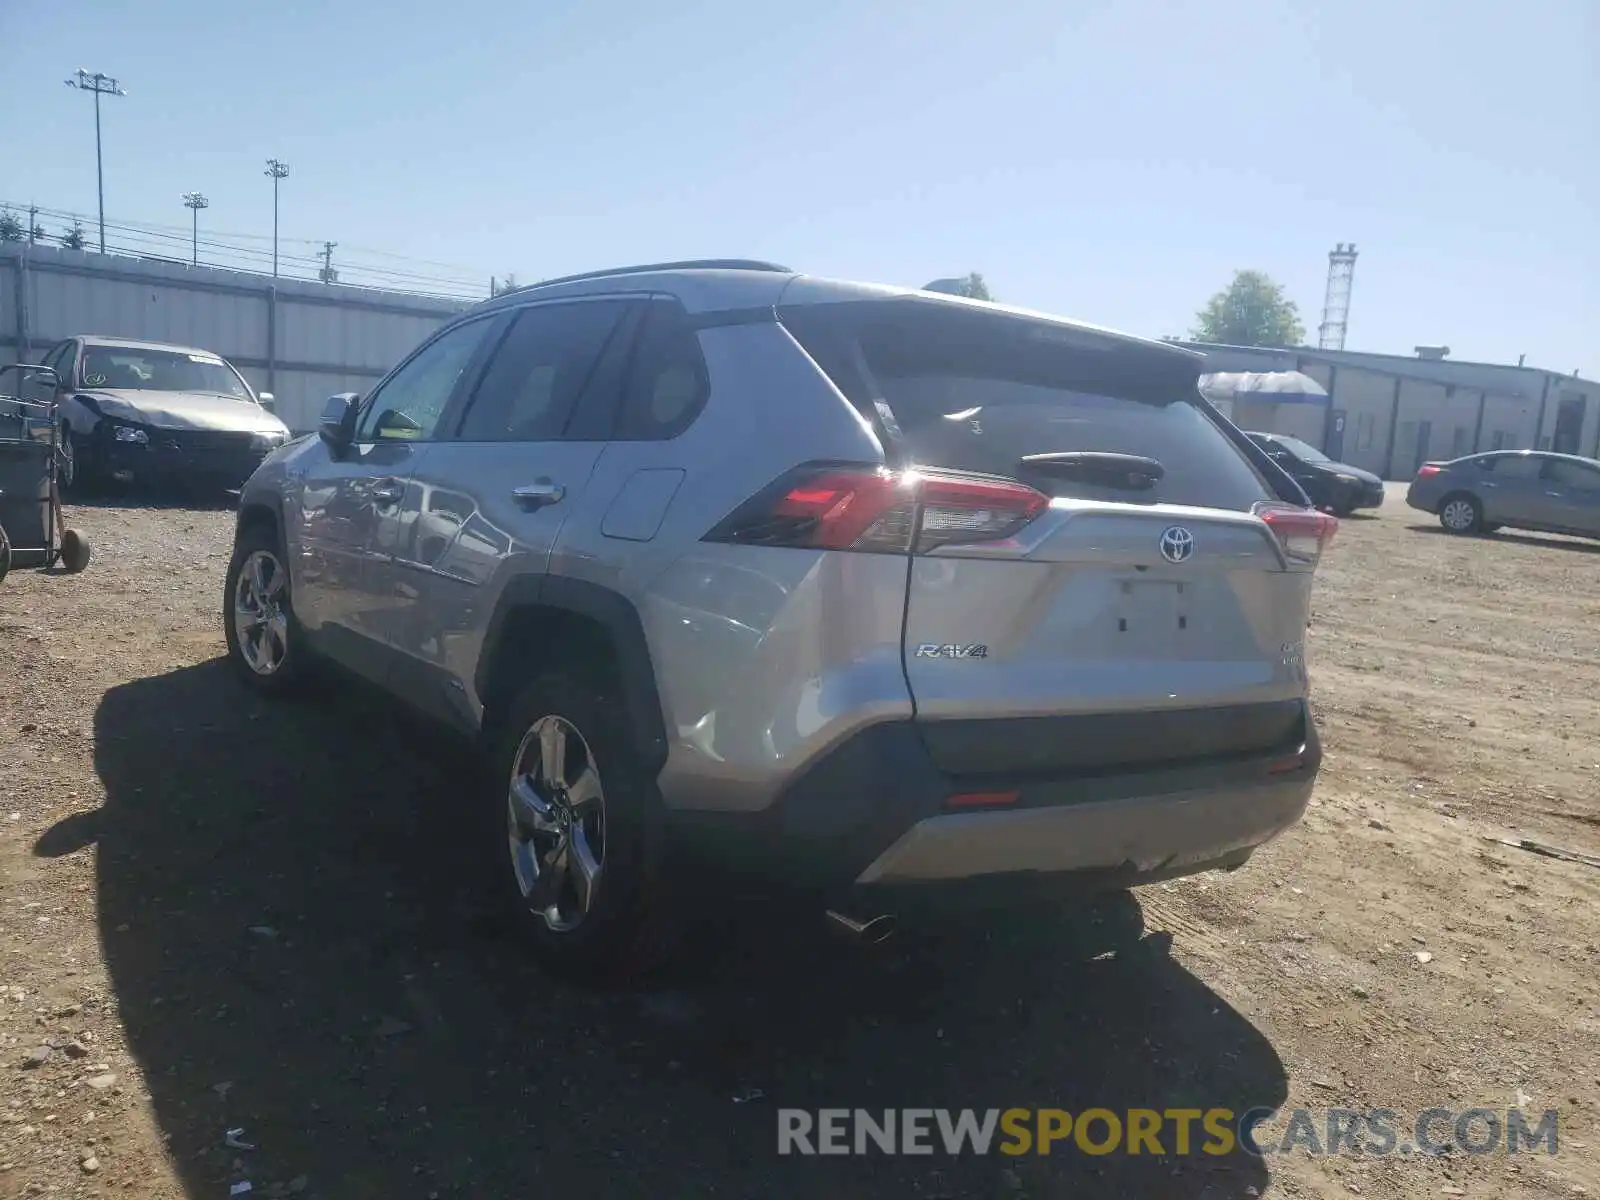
[(194, 202), (100, 85), (277, 170)]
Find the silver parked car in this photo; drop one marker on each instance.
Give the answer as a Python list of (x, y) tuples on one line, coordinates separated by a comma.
[(889, 594), (148, 412), (1525, 489)]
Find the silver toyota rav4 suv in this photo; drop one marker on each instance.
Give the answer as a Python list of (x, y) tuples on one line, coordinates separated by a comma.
[(886, 595)]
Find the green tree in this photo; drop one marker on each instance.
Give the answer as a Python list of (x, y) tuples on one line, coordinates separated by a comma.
[(38, 234), (970, 285), (11, 229), (508, 284), (1250, 311), (73, 238)]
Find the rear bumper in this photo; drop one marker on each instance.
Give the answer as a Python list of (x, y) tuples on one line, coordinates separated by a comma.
[(1136, 839), (1424, 499), (871, 824)]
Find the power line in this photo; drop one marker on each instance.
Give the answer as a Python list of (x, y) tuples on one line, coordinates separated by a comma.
[(157, 240)]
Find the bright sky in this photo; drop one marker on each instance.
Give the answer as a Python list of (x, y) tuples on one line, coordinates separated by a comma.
[(1112, 160)]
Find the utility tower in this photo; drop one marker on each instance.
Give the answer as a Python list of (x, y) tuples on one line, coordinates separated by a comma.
[(1336, 304), (100, 85), (328, 274), (194, 202)]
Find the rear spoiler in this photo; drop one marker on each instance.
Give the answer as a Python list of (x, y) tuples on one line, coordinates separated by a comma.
[(1283, 484)]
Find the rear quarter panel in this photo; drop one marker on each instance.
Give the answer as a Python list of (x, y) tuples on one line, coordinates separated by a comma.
[(763, 657)]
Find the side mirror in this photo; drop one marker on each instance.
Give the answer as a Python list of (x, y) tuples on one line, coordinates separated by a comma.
[(268, 401), (338, 424)]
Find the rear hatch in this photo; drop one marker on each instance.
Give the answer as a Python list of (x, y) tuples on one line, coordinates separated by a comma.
[(1100, 577)]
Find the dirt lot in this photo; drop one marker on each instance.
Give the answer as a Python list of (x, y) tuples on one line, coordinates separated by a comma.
[(225, 915)]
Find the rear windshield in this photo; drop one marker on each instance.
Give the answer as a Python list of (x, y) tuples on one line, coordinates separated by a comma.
[(980, 391)]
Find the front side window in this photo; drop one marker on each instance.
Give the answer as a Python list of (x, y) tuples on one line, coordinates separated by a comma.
[(1565, 473), (148, 370), (1304, 451), (407, 406)]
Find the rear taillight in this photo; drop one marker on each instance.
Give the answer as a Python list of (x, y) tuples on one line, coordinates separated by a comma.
[(1303, 533), (824, 507), (1427, 469)]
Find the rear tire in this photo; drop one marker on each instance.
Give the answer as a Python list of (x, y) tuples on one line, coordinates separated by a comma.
[(576, 844), (1460, 513), (265, 641)]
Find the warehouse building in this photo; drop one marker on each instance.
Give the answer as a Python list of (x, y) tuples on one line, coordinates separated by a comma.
[(1389, 413)]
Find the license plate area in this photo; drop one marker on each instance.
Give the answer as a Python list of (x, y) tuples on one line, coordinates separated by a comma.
[(1151, 617)]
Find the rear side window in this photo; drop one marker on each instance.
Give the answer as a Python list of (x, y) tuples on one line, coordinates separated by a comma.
[(667, 383), (979, 391), (538, 372), (1518, 466)]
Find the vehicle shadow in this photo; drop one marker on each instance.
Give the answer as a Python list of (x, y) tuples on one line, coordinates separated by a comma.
[(299, 946), (132, 496), (1552, 542)]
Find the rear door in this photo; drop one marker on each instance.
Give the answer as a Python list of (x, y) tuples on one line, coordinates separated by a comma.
[(1511, 493), (1572, 490), (1142, 587), (489, 498)]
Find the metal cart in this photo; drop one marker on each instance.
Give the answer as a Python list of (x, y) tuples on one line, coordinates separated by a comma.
[(32, 532)]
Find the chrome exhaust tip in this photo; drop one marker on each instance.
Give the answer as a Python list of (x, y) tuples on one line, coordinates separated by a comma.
[(871, 932)]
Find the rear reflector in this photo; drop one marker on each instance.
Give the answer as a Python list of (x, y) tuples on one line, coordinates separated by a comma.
[(981, 799), (1284, 765), (1427, 469), (1303, 533), (825, 507)]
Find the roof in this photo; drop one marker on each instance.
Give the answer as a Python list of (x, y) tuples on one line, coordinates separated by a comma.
[(720, 285)]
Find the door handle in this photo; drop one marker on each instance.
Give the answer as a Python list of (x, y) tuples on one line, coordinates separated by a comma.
[(388, 492), (538, 495), (1558, 495)]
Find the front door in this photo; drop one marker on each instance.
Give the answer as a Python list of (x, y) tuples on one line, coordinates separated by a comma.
[(488, 499), (340, 502)]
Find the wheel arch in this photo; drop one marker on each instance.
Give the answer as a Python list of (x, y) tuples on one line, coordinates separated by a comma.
[(257, 514), (539, 623)]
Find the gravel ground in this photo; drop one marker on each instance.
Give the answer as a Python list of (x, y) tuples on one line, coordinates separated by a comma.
[(220, 915)]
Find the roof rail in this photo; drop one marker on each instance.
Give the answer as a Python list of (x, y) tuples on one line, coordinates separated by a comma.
[(691, 264)]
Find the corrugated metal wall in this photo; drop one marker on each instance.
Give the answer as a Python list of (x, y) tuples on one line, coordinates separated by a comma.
[(302, 341)]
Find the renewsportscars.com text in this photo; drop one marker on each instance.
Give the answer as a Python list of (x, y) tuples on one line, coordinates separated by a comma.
[(1378, 1132)]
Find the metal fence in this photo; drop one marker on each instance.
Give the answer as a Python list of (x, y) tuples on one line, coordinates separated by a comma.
[(300, 340)]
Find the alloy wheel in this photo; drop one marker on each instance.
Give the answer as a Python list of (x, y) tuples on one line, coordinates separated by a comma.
[(260, 612), (556, 822), (1458, 515)]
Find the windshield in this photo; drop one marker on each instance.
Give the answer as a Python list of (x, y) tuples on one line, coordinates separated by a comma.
[(1300, 450), (161, 371)]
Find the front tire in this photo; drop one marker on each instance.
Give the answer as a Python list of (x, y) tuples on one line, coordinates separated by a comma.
[(264, 639), (1461, 514), (574, 830)]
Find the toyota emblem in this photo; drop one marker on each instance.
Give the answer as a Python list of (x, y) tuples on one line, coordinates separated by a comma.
[(1177, 544)]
